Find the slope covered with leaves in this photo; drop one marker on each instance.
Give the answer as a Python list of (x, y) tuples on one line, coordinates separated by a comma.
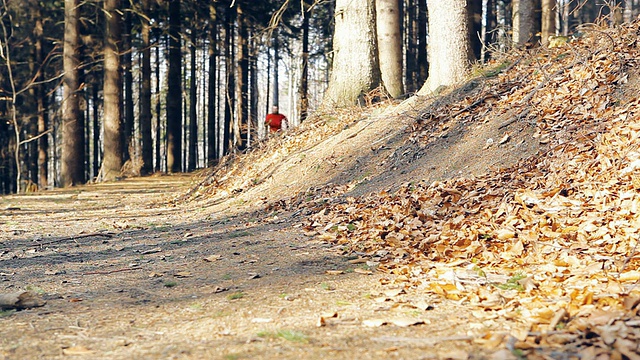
[(550, 242)]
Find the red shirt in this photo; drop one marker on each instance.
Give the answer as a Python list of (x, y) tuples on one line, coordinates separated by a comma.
[(275, 121)]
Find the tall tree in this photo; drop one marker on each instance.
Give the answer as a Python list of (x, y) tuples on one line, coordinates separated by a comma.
[(193, 102), (356, 67), (174, 94), (72, 169), (524, 24), (113, 140), (390, 45), (41, 101), (212, 129), (450, 51), (303, 89), (548, 26), (145, 92), (229, 103), (241, 125), (127, 64)]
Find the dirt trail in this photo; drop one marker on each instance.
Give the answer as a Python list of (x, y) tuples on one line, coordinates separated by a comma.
[(127, 277)]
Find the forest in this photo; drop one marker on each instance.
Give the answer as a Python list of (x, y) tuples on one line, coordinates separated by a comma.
[(100, 90)]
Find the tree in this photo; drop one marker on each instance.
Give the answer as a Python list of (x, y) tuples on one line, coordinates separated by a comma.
[(390, 45), (212, 129), (303, 89), (548, 26), (356, 67), (145, 93), (449, 47), (72, 169), (174, 94), (113, 146), (524, 24)]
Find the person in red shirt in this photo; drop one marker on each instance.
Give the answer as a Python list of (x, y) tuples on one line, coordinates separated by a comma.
[(275, 121)]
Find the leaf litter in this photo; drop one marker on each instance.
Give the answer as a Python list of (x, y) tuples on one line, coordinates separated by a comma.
[(550, 242)]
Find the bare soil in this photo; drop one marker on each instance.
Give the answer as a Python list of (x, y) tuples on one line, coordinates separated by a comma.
[(126, 276)]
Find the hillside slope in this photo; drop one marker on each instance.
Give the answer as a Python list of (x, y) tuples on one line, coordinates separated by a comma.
[(517, 192)]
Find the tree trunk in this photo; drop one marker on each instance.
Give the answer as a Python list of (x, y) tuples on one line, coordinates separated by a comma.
[(303, 89), (230, 85), (241, 132), (524, 24), (129, 117), (356, 69), (193, 109), (276, 64), (390, 45), (548, 26), (423, 65), (145, 95), (96, 130), (72, 170), (41, 101), (474, 9), (113, 146), (159, 140), (628, 11), (212, 130), (449, 48), (174, 94)]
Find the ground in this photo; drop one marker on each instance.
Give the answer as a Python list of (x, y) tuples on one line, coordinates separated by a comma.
[(497, 219), (126, 276)]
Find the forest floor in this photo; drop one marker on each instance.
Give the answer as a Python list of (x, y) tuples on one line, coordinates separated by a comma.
[(495, 220)]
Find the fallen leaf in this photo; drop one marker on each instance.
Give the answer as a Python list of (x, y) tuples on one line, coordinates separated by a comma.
[(212, 258), (405, 322), (334, 272), (362, 271), (374, 322), (77, 350)]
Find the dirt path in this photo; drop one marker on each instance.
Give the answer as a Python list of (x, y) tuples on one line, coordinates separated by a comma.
[(126, 277)]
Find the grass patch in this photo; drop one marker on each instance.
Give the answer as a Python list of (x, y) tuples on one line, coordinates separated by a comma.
[(239, 233), (35, 289), (226, 277), (289, 335), (170, 284), (512, 283), (236, 295), (5, 313)]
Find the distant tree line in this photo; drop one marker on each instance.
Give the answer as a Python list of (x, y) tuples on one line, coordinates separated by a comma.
[(95, 90)]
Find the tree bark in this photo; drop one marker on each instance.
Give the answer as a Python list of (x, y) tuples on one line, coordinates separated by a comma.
[(212, 130), (303, 89), (129, 117), (524, 27), (548, 26), (449, 48), (72, 170), (390, 45), (113, 146), (229, 104), (242, 84), (174, 94), (356, 68), (145, 94), (193, 102)]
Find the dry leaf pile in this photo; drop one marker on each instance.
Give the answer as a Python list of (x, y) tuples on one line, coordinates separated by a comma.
[(550, 243)]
